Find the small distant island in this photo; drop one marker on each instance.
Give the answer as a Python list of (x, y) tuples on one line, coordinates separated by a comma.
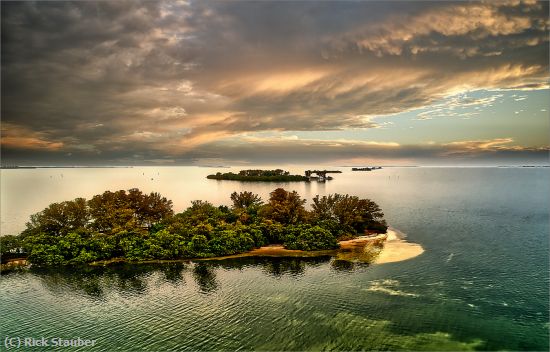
[(366, 168), (136, 227), (276, 175)]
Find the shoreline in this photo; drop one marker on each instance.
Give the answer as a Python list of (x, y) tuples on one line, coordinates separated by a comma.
[(353, 246), (389, 247)]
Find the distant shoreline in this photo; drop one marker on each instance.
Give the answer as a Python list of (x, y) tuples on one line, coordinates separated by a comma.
[(21, 167)]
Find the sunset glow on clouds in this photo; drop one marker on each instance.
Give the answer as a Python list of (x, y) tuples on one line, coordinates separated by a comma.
[(271, 82)]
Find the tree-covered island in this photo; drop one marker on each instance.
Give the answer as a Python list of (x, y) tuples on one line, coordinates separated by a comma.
[(133, 226), (277, 175)]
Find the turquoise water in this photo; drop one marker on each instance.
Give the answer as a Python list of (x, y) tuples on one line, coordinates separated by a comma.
[(482, 282)]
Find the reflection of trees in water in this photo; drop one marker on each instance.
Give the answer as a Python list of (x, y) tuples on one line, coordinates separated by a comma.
[(275, 266), (95, 281), (232, 264), (133, 279), (343, 265), (85, 280), (130, 280), (205, 277), (291, 266), (173, 273)]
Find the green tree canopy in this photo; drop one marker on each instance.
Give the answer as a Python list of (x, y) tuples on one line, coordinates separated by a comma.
[(285, 207), (137, 226), (351, 212), (112, 211), (60, 218), (245, 200)]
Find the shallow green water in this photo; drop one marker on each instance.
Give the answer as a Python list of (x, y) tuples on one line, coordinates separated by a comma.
[(482, 282)]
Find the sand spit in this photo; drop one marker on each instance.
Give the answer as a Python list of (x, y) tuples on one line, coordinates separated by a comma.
[(397, 249)]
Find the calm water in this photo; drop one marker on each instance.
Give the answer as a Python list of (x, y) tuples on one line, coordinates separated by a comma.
[(481, 284)]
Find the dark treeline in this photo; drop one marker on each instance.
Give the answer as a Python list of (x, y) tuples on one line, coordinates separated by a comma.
[(254, 172), (137, 226), (277, 175)]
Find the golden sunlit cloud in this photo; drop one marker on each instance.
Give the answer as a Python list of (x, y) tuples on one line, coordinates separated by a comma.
[(19, 137)]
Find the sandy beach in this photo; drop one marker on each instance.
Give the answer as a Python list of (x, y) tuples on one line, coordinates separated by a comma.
[(397, 249)]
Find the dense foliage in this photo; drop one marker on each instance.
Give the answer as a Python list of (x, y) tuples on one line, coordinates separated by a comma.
[(137, 226), (277, 175)]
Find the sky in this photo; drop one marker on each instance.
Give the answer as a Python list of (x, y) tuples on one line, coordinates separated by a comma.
[(275, 82)]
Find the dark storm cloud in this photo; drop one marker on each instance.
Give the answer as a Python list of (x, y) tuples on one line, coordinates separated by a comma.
[(164, 80)]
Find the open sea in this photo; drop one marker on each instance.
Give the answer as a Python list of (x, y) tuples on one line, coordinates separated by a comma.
[(481, 284)]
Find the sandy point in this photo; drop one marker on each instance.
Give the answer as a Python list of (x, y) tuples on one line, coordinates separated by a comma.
[(397, 249)]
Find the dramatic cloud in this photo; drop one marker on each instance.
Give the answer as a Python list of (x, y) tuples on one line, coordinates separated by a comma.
[(346, 152), (21, 138), (120, 82)]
